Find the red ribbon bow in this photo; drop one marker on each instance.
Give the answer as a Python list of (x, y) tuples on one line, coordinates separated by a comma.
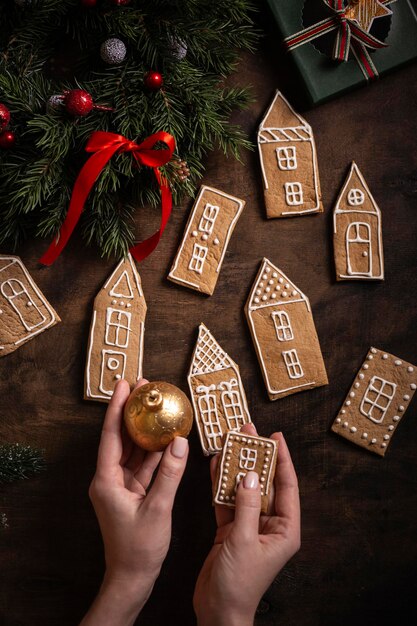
[(104, 145), (349, 37)]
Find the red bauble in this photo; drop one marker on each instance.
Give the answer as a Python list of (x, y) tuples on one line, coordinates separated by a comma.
[(4, 116), (88, 4), (120, 3), (78, 102), (153, 80), (7, 139)]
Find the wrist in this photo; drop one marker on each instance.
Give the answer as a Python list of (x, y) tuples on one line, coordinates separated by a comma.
[(129, 591), (225, 618)]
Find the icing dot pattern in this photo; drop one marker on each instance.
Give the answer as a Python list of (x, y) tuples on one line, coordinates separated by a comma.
[(270, 281)]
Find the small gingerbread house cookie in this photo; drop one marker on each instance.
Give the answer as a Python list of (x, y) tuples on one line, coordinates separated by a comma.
[(205, 240), (115, 347), (288, 157), (241, 454), (357, 232), (217, 392), (24, 310), (376, 402), (283, 331)]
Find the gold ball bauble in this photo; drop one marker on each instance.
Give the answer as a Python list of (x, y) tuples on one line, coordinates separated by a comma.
[(156, 413)]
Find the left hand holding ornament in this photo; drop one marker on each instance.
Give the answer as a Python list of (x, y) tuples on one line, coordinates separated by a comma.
[(135, 519), (156, 413)]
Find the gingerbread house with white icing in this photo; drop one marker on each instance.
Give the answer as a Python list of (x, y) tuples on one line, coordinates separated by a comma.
[(288, 157), (357, 231), (115, 347), (283, 331), (217, 393)]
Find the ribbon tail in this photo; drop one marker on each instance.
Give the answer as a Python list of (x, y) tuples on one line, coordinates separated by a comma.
[(82, 187), (364, 60), (146, 247), (310, 33), (342, 43)]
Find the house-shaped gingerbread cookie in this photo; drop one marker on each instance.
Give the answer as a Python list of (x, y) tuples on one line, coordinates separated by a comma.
[(115, 347), (288, 157), (200, 256), (24, 310), (217, 392), (283, 331), (357, 232)]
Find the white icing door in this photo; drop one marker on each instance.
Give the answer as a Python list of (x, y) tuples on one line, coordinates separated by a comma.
[(113, 365), (358, 249), (18, 297)]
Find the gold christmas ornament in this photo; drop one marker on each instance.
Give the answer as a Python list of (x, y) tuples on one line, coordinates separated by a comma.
[(156, 413)]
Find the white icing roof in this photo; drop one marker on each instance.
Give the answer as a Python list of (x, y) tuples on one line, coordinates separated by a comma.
[(273, 287), (208, 355)]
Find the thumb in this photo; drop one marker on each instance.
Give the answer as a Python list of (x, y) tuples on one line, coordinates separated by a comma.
[(171, 470), (248, 508)]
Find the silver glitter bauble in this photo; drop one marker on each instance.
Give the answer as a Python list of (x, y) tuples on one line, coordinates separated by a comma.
[(113, 51), (178, 48), (55, 102)]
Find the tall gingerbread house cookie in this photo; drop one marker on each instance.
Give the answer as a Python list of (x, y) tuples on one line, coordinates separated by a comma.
[(288, 156), (205, 240), (217, 392), (283, 331), (24, 310), (115, 347), (357, 231), (377, 401)]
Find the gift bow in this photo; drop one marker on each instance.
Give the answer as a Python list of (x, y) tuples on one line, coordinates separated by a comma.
[(350, 36), (104, 145)]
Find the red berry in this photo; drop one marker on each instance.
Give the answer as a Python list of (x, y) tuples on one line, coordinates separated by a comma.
[(7, 139), (78, 102), (4, 116), (88, 4), (153, 80)]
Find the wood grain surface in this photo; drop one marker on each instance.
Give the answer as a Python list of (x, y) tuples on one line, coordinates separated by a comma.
[(358, 561)]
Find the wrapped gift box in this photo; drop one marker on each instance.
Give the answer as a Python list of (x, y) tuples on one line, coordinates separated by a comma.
[(324, 78)]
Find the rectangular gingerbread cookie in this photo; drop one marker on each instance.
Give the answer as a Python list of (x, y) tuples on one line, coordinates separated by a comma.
[(210, 225), (243, 453), (377, 401)]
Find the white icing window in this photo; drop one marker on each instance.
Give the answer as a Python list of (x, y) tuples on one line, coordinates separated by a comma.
[(282, 326), (197, 260), (117, 328), (247, 458), (233, 409), (287, 159), (208, 218), (294, 194), (355, 197), (377, 399), (292, 363), (239, 477), (210, 419), (18, 297)]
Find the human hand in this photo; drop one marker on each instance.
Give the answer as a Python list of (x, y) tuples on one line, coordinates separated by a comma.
[(249, 550), (135, 523)]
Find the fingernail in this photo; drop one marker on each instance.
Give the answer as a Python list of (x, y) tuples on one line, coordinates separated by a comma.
[(179, 447), (251, 480)]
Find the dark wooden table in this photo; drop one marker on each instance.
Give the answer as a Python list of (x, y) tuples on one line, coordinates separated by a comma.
[(358, 561)]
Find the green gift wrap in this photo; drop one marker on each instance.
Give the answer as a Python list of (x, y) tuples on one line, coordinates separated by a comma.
[(324, 78)]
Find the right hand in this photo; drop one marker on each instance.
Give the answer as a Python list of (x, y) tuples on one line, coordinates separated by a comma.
[(249, 550)]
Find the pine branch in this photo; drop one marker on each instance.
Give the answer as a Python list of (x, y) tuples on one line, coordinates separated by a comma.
[(19, 461)]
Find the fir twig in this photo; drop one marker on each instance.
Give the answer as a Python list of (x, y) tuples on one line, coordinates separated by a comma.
[(19, 461)]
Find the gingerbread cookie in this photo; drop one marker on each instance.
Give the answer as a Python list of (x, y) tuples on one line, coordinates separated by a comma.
[(24, 310), (241, 454), (217, 392), (206, 237), (115, 347), (285, 338), (357, 232), (288, 156), (376, 402)]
